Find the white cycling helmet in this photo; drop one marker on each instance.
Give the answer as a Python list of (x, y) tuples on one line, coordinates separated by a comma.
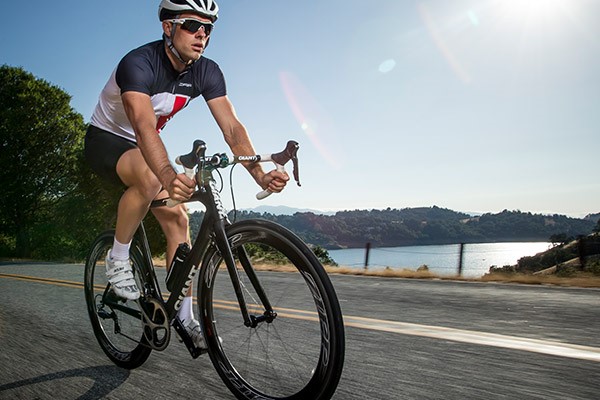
[(171, 8)]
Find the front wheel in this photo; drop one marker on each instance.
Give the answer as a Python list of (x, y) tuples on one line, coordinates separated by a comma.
[(294, 350)]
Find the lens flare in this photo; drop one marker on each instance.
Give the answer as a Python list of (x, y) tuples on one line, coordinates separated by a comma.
[(312, 119), (441, 44), (387, 66), (473, 17)]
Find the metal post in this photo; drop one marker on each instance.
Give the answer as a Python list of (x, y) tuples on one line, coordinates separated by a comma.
[(367, 251), (460, 258), (581, 250)]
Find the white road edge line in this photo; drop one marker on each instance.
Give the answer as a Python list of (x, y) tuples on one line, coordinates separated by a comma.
[(481, 338)]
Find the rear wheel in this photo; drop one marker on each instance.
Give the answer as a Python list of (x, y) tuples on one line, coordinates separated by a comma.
[(294, 352), (117, 323)]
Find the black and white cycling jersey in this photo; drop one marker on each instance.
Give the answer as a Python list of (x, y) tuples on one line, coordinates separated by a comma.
[(148, 70)]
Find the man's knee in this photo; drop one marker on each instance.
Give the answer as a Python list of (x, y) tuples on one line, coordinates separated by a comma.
[(181, 218), (149, 186), (135, 173), (171, 219)]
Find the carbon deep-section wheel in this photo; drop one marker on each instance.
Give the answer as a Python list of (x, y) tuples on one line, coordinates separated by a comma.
[(295, 350)]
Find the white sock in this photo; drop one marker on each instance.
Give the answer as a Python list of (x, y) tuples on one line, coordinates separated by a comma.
[(119, 250), (185, 312)]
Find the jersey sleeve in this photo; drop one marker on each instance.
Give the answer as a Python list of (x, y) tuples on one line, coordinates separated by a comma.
[(134, 74), (212, 81)]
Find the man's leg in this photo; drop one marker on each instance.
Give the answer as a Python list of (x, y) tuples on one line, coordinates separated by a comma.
[(142, 187), (175, 225), (174, 222)]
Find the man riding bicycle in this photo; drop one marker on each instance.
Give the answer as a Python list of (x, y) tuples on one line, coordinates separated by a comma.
[(150, 85)]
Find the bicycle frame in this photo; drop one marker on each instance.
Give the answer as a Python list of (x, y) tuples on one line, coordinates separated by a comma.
[(212, 231), (213, 228)]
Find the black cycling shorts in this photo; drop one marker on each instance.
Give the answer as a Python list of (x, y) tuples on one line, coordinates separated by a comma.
[(103, 150)]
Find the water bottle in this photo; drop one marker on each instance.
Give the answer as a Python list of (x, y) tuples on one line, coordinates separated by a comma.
[(180, 255)]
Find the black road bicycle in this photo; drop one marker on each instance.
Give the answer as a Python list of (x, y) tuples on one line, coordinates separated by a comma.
[(270, 335)]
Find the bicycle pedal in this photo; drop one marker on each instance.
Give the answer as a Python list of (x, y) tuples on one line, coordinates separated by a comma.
[(104, 314), (187, 340), (197, 352)]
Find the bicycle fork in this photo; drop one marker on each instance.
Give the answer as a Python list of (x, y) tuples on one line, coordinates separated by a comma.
[(224, 248)]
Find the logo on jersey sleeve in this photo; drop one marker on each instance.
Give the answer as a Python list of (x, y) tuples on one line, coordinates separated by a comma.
[(166, 105)]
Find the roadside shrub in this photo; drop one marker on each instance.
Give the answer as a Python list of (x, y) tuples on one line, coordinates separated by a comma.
[(264, 253), (7, 246), (593, 266), (506, 269), (547, 259), (323, 256)]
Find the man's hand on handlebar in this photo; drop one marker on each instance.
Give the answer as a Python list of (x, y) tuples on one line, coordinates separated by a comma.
[(274, 181), (181, 187)]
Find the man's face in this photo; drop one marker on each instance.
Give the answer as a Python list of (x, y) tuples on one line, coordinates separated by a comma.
[(190, 45)]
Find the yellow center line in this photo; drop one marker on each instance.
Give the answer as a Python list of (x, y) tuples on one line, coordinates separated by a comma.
[(37, 279), (541, 346)]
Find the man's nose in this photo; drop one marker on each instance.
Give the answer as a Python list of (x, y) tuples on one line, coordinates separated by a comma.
[(201, 32)]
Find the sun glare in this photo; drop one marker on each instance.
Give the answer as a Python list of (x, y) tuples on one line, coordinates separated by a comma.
[(532, 12)]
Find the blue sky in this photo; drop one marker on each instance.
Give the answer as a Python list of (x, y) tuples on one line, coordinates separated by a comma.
[(472, 105)]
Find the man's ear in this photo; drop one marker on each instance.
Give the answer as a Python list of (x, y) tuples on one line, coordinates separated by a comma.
[(167, 28)]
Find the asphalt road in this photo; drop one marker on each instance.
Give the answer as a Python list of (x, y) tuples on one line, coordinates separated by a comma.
[(406, 339)]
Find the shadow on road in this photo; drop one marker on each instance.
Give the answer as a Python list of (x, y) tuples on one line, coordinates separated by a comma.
[(106, 378)]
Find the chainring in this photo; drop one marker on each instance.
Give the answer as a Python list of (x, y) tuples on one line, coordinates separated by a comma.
[(155, 321)]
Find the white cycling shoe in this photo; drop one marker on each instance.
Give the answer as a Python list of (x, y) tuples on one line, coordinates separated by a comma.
[(121, 279), (192, 326)]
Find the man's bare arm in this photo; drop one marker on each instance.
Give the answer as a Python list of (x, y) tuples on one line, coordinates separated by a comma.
[(143, 120), (239, 141)]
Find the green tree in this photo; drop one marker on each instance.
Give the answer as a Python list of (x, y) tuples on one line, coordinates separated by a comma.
[(41, 139), (323, 256), (559, 239)]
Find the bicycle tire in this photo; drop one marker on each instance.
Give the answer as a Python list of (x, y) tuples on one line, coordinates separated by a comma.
[(300, 354), (128, 348)]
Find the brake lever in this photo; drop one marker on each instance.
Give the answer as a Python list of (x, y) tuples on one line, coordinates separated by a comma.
[(189, 162), (280, 159)]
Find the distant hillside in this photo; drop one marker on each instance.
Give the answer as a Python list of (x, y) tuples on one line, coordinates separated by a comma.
[(419, 226), (593, 217), (284, 210)]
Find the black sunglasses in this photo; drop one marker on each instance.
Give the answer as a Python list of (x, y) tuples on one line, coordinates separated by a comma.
[(193, 25)]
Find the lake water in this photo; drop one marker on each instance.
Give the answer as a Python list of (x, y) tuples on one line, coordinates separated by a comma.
[(442, 259)]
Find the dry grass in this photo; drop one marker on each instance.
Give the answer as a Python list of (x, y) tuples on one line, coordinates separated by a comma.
[(582, 279), (385, 272)]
